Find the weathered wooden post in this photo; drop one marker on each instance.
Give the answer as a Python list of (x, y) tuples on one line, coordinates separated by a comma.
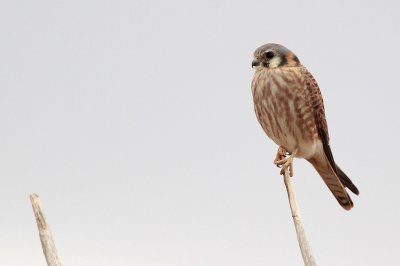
[(305, 248), (49, 248)]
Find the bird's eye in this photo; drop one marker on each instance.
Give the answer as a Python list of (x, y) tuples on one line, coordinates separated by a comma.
[(269, 54)]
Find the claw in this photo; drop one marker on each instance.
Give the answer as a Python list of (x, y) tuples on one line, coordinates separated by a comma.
[(281, 162), (289, 166)]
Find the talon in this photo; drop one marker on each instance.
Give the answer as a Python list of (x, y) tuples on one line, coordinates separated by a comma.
[(281, 162), (282, 172)]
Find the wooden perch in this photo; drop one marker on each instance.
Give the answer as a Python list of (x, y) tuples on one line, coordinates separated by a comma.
[(305, 248), (49, 248)]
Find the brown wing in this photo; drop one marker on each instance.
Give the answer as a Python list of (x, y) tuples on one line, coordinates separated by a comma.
[(322, 127), (319, 114)]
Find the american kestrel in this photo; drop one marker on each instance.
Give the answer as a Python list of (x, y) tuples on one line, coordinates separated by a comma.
[(290, 109)]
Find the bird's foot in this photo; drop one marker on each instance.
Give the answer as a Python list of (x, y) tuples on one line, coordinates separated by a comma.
[(286, 162), (280, 155)]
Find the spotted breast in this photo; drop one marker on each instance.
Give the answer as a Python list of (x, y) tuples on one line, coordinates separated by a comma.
[(283, 106)]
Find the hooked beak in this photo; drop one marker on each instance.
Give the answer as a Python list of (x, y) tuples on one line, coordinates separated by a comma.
[(255, 63)]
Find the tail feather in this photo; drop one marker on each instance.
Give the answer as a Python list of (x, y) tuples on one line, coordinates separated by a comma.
[(346, 181), (333, 181)]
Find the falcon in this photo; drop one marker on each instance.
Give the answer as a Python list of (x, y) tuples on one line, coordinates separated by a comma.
[(290, 109)]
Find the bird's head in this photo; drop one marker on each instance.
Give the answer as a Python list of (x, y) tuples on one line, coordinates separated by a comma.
[(274, 55)]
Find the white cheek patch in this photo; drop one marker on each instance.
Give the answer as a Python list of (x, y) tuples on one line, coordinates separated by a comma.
[(275, 62)]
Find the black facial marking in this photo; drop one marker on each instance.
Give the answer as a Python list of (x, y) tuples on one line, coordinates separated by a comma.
[(296, 59), (283, 61)]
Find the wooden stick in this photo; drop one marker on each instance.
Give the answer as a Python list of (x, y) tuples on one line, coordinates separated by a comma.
[(49, 249), (305, 248)]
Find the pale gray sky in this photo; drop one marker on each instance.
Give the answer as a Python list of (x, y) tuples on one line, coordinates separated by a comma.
[(134, 122)]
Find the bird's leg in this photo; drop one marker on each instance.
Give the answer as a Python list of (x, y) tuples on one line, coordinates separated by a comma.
[(286, 163), (280, 155)]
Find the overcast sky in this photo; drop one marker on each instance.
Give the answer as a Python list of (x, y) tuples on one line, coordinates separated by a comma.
[(134, 122)]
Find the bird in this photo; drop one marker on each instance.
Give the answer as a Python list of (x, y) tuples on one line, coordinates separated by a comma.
[(290, 109)]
